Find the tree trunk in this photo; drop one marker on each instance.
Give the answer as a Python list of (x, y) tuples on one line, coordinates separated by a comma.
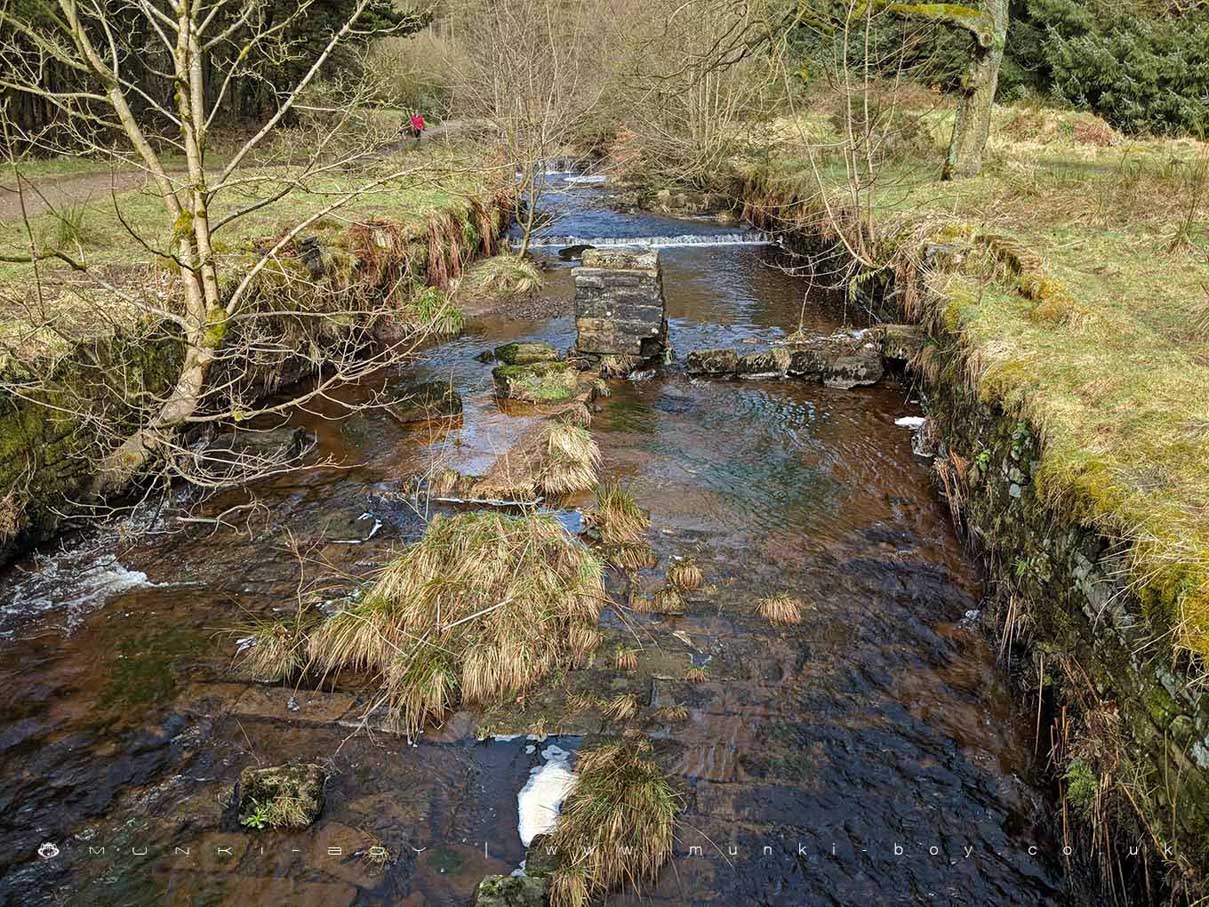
[(972, 126)]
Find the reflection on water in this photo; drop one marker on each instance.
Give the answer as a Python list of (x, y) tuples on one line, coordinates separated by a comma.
[(867, 755)]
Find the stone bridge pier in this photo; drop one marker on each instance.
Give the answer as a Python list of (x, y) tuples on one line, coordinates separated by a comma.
[(619, 306)]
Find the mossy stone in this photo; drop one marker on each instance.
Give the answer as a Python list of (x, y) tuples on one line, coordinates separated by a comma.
[(510, 891), (538, 382), (525, 352)]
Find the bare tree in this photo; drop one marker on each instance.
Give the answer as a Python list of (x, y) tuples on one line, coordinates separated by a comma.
[(212, 302), (695, 84), (527, 76), (972, 125)]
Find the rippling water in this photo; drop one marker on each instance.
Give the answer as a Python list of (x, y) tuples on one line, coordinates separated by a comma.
[(869, 755)]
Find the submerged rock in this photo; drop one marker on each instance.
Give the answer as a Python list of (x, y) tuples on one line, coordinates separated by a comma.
[(525, 352), (431, 400), (807, 363), (713, 362), (570, 253), (284, 796), (772, 363), (537, 382), (860, 368), (510, 891)]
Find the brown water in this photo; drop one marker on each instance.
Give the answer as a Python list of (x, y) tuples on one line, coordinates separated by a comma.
[(869, 755)]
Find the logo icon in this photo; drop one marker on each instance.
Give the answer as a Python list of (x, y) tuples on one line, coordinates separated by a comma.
[(48, 851)]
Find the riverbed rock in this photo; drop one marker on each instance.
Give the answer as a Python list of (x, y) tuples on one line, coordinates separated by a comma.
[(286, 442), (525, 352), (768, 364), (537, 382), (428, 401), (901, 342), (510, 891), (862, 367), (619, 306), (283, 796), (539, 861), (712, 363), (808, 363)]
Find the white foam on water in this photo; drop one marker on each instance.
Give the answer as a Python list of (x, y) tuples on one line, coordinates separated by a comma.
[(912, 422), (541, 799), (63, 586), (748, 238)]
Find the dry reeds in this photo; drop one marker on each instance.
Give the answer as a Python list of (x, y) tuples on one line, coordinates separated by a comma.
[(555, 459), (671, 714), (631, 557), (781, 610), (572, 459), (695, 675), (271, 651), (685, 575), (668, 601), (618, 822), (626, 659), (478, 610), (617, 518), (621, 707), (504, 275)]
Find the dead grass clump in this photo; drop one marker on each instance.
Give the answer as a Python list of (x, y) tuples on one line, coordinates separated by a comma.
[(618, 821), (671, 714), (575, 414), (572, 458), (555, 459), (685, 575), (618, 519), (478, 610), (781, 610), (626, 659), (272, 651), (621, 707), (668, 601), (630, 558), (503, 275), (695, 675), (12, 517), (617, 366)]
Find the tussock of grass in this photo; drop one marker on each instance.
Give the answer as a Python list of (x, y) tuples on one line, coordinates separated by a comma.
[(503, 275), (632, 557), (275, 651), (626, 659), (685, 575), (555, 459), (671, 714), (618, 519), (781, 609), (668, 601), (621, 707), (695, 675), (477, 611), (618, 821)]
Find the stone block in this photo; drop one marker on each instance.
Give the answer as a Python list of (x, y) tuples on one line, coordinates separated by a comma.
[(619, 306), (713, 362)]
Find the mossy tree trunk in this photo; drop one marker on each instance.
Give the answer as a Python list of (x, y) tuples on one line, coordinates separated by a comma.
[(972, 126)]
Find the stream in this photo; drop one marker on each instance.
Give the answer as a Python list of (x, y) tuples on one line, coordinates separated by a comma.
[(872, 754)]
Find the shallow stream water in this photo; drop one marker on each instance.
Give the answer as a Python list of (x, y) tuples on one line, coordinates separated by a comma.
[(869, 755)]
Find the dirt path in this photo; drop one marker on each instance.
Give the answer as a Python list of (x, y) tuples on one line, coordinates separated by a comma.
[(60, 191)]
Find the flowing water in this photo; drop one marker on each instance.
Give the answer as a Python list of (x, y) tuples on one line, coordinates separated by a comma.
[(869, 755)]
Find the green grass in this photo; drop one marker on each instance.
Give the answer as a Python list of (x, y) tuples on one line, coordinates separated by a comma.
[(1100, 342), (125, 232)]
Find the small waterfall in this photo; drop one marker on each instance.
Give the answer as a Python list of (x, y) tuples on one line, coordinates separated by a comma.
[(747, 238)]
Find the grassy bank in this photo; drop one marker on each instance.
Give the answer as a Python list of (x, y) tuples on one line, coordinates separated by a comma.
[(433, 199), (1081, 303)]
